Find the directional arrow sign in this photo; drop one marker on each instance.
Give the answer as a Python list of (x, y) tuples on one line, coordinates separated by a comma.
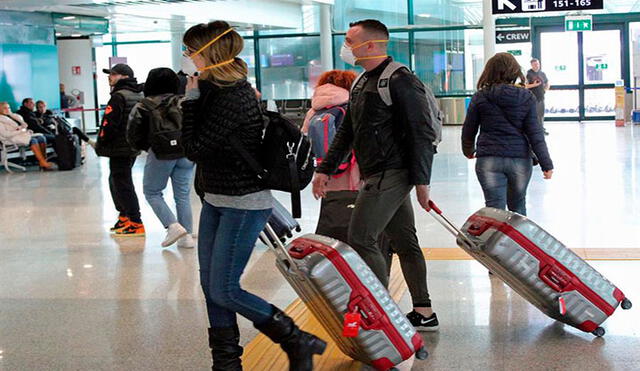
[(507, 3), (513, 36), (528, 6)]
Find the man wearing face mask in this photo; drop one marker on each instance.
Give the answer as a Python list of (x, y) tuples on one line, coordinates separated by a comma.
[(112, 143), (394, 147)]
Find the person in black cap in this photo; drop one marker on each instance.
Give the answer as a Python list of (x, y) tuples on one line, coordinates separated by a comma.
[(112, 143)]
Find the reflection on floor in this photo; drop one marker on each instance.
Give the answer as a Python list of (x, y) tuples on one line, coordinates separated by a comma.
[(72, 297)]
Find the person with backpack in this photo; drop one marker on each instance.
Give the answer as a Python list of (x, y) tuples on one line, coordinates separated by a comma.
[(510, 135), (155, 126), (220, 107), (112, 143), (393, 130)]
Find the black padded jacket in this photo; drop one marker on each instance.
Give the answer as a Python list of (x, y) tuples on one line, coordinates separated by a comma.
[(507, 120), (112, 136), (207, 124), (386, 137)]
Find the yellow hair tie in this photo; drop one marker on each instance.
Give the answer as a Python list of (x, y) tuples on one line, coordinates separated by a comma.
[(212, 41)]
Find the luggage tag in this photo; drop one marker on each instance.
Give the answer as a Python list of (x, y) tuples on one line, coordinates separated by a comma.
[(562, 306), (351, 324)]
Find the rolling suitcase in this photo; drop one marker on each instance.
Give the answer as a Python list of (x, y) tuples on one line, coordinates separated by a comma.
[(538, 267), (282, 223), (348, 300), (335, 216)]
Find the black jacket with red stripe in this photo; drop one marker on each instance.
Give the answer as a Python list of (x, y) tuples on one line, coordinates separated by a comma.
[(112, 136)]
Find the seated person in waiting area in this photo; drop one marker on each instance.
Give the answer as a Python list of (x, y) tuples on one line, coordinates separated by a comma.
[(27, 111), (45, 115), (13, 130)]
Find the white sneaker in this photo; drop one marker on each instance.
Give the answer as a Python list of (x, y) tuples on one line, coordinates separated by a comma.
[(174, 233), (186, 242)]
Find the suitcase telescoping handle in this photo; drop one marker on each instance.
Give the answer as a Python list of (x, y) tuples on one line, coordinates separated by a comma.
[(278, 248), (449, 226)]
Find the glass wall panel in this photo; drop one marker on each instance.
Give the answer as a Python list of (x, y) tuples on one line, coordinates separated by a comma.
[(559, 57), (309, 22), (144, 57), (446, 12), (391, 13), (249, 56), (289, 67), (561, 103), (450, 62), (602, 63), (599, 102), (103, 53), (398, 48)]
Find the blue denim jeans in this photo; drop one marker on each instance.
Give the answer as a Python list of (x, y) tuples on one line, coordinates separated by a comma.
[(504, 182), (226, 239), (156, 175)]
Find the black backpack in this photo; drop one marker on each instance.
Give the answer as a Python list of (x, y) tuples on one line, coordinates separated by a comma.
[(165, 127), (286, 160)]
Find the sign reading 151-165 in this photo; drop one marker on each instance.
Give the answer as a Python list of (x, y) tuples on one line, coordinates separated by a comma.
[(526, 6)]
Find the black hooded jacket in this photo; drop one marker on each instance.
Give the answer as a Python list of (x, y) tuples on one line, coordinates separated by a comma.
[(112, 136), (506, 117)]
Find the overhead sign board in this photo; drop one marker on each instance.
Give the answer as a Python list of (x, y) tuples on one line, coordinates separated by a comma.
[(578, 23), (514, 36), (530, 6)]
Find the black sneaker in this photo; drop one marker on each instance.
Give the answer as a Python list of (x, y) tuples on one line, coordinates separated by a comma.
[(422, 323)]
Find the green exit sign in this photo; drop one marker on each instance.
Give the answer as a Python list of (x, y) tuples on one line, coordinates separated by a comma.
[(515, 52), (578, 23), (602, 66), (561, 68)]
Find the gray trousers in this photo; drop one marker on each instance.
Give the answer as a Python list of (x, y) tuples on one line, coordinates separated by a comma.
[(386, 206), (540, 112)]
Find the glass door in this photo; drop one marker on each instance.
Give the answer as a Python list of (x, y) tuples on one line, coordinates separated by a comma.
[(582, 68), (559, 61)]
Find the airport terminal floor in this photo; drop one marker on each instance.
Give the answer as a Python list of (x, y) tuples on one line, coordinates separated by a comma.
[(73, 297)]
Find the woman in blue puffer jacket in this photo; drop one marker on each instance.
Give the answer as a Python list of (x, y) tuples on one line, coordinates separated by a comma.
[(505, 115)]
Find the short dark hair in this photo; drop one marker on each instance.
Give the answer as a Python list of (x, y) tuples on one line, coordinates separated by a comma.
[(372, 25), (534, 60), (25, 100), (40, 102)]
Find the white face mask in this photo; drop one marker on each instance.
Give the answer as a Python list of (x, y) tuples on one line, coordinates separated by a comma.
[(346, 54), (188, 67)]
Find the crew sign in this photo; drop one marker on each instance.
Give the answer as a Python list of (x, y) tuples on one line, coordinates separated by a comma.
[(510, 37), (530, 6)]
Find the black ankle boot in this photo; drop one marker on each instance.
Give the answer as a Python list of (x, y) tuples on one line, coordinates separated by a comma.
[(225, 348), (300, 346)]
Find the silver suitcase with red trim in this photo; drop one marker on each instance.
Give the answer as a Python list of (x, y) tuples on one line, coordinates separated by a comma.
[(332, 280), (538, 267)]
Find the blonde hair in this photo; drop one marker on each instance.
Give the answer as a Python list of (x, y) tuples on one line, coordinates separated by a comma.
[(226, 48)]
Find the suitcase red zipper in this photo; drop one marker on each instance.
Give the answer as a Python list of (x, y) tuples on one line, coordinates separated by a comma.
[(552, 272), (373, 312)]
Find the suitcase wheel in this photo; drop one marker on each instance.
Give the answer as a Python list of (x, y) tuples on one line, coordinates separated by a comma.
[(298, 229), (599, 332), (422, 353), (626, 304)]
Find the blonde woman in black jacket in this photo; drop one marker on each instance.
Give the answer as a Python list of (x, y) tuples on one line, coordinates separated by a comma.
[(220, 103)]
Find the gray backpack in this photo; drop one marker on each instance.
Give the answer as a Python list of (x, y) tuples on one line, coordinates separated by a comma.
[(436, 116)]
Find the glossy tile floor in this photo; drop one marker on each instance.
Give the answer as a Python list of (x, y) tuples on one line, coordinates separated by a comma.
[(72, 297)]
